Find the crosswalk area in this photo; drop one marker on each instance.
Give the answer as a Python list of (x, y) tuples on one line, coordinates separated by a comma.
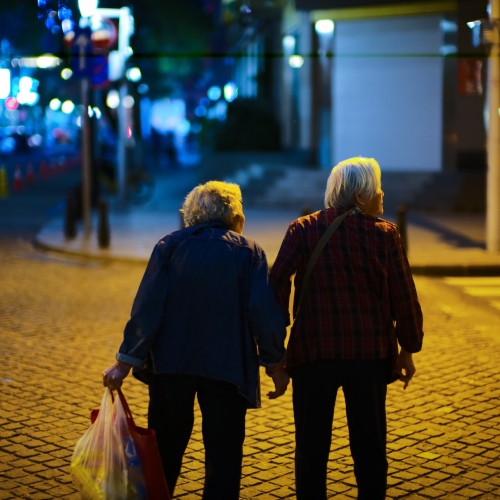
[(484, 287)]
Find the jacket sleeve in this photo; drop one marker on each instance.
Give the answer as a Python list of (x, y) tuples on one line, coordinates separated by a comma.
[(285, 266), (147, 311), (405, 307), (266, 318)]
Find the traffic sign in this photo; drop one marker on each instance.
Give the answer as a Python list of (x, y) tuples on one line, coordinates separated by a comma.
[(82, 61), (100, 72)]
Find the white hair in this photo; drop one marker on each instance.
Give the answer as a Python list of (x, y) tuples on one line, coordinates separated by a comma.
[(214, 201), (351, 175)]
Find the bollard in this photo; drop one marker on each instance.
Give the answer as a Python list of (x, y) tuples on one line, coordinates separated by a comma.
[(402, 226), (103, 234), (30, 173), (4, 186), (70, 218), (181, 218), (18, 178)]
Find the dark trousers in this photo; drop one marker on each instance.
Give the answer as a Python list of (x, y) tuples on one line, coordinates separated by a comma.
[(315, 387), (171, 415)]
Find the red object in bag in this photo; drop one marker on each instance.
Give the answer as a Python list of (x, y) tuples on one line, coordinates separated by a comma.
[(147, 449)]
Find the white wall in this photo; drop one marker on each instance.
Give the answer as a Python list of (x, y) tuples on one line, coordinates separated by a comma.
[(387, 92)]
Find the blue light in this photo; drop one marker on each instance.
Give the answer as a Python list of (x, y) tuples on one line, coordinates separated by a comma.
[(200, 111), (205, 102), (214, 93), (49, 23), (64, 13), (67, 26), (230, 92)]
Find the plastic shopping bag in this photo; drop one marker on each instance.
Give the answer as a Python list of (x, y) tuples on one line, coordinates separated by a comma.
[(106, 463)]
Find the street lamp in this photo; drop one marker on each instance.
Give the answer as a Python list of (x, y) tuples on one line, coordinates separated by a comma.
[(117, 59), (324, 28), (88, 7)]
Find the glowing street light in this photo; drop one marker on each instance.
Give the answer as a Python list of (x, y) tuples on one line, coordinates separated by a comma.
[(67, 107), (48, 61), (324, 27), (66, 74), (113, 99), (230, 92), (288, 44), (55, 104), (134, 74), (88, 7), (4, 83), (296, 61)]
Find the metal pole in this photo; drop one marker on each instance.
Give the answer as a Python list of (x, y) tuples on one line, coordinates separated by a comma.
[(493, 177), (122, 133), (86, 172), (124, 32)]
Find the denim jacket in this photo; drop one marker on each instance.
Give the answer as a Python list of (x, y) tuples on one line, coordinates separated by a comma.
[(205, 307)]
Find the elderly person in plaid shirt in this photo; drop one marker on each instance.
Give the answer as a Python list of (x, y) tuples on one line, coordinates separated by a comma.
[(359, 303)]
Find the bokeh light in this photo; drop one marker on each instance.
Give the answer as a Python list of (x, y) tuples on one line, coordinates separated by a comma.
[(128, 102), (324, 26), (4, 83), (55, 104), (134, 74), (214, 93), (67, 107), (230, 92), (113, 99), (11, 103), (66, 74), (296, 61)]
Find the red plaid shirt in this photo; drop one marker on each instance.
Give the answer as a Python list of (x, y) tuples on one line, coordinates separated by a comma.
[(360, 300)]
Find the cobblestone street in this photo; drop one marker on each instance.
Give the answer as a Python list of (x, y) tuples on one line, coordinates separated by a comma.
[(61, 321)]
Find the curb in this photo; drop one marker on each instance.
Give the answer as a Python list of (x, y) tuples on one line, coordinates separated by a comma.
[(437, 271), (88, 256), (456, 270)]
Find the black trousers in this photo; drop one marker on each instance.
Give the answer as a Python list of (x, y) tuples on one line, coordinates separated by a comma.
[(315, 387), (171, 415)]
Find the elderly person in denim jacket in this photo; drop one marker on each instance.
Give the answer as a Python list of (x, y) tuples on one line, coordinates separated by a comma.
[(205, 317)]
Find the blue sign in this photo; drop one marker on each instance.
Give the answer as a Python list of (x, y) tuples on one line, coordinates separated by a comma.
[(100, 72), (82, 62)]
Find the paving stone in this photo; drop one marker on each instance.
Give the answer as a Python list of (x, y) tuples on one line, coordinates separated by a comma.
[(47, 422)]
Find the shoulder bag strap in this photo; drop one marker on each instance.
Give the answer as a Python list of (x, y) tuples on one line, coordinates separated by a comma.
[(314, 256)]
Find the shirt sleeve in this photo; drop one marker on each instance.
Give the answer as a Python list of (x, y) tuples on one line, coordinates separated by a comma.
[(147, 311), (405, 307), (285, 266), (266, 319)]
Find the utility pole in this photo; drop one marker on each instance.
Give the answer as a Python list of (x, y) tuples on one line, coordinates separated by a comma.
[(493, 176), (86, 160), (125, 31)]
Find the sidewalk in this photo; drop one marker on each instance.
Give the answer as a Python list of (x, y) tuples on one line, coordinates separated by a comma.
[(439, 245)]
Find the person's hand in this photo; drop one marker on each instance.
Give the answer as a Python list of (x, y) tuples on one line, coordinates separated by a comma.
[(113, 376), (280, 378), (406, 367)]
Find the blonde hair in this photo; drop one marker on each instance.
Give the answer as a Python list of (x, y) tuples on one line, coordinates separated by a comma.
[(214, 201), (349, 175)]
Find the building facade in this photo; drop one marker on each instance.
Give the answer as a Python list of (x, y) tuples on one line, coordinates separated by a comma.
[(398, 81)]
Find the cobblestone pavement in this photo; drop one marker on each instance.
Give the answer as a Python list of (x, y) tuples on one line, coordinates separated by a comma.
[(61, 321)]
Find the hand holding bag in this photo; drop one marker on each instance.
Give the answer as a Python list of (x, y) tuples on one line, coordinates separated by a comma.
[(116, 459), (105, 463)]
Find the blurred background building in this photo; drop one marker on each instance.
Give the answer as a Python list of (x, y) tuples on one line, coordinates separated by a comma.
[(252, 90)]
